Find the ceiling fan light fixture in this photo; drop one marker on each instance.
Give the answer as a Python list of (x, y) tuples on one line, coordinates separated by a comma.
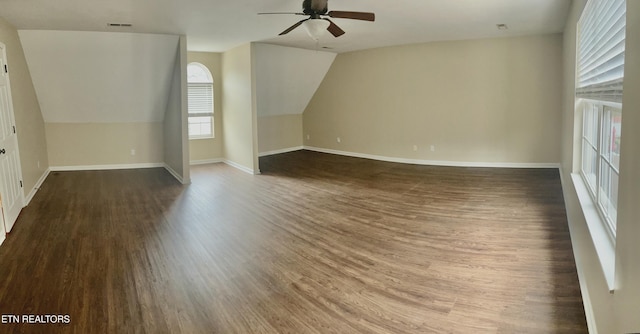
[(315, 27)]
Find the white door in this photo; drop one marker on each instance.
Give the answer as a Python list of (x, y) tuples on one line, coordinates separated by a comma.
[(10, 172)]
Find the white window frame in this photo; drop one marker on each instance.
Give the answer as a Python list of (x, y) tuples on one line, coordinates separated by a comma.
[(599, 79), (597, 193), (599, 85), (203, 83)]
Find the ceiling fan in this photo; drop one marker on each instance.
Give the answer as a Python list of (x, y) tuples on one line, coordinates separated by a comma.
[(317, 22)]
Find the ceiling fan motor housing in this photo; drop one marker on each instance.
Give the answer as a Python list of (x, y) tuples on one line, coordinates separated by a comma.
[(317, 10), (315, 7)]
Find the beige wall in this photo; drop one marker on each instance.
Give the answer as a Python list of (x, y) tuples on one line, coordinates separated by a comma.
[(598, 303), (279, 132), (97, 144), (628, 240), (176, 141), (617, 312), (83, 144), (209, 149), (493, 100), (29, 121), (238, 109), (203, 150), (285, 79), (112, 119)]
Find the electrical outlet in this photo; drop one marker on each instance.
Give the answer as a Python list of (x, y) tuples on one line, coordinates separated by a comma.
[(133, 152), (38, 164), (338, 140), (415, 147), (433, 148), (308, 137)]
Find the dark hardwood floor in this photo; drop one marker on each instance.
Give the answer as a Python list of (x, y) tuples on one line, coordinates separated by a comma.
[(317, 244)]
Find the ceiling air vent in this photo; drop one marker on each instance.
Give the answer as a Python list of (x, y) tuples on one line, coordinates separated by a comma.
[(119, 24), (502, 26)]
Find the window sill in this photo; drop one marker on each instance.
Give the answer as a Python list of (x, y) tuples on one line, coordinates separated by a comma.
[(604, 245), (198, 138)]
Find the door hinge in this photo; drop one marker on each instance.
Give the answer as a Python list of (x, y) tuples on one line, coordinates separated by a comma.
[(20, 183), (14, 129), (6, 69)]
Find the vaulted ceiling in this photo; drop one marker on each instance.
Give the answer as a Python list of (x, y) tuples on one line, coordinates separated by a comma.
[(97, 77), (217, 25)]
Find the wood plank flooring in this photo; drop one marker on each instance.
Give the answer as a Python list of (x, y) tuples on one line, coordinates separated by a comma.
[(317, 244)]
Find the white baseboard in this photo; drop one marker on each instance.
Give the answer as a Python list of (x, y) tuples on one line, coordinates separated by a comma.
[(106, 167), (206, 161), (173, 173), (561, 178), (284, 150), (588, 307), (435, 162), (239, 166), (35, 188)]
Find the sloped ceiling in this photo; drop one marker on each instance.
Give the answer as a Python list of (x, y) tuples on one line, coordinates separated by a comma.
[(287, 78), (97, 77)]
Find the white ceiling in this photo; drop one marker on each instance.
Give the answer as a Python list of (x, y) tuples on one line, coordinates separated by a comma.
[(217, 25)]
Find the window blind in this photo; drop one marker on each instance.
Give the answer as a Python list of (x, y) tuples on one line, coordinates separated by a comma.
[(601, 45), (200, 99)]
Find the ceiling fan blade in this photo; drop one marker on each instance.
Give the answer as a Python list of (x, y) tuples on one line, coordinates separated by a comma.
[(334, 29), (292, 27), (278, 13), (352, 15)]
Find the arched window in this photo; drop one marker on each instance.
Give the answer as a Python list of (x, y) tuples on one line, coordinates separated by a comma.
[(200, 101)]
